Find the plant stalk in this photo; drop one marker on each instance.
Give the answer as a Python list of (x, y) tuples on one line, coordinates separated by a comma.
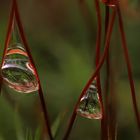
[(40, 91), (97, 60), (105, 120), (129, 69), (14, 15), (73, 117)]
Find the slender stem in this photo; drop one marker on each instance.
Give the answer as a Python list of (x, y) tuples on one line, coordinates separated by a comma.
[(15, 15), (128, 63), (105, 119), (73, 117), (112, 123), (43, 104), (107, 17), (110, 101), (8, 35), (108, 56), (40, 91), (9, 31), (110, 98), (98, 47)]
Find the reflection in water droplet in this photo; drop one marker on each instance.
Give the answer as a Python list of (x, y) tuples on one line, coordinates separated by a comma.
[(110, 3), (90, 106), (17, 71)]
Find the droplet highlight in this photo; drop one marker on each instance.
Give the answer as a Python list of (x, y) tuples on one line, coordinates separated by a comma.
[(90, 106), (17, 71)]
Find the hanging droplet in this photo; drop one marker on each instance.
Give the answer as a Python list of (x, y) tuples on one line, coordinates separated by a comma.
[(90, 106), (111, 3), (17, 70)]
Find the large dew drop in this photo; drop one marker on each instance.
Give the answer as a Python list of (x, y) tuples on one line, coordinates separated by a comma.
[(17, 71), (90, 106), (110, 3)]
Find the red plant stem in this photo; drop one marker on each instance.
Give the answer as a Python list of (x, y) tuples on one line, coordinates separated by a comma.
[(15, 14), (110, 99), (107, 15), (73, 117), (108, 56), (110, 106), (9, 30), (128, 63), (105, 119), (40, 91), (7, 40), (112, 125), (98, 47)]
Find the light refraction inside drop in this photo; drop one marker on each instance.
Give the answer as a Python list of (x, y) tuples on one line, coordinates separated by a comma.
[(17, 71), (90, 106)]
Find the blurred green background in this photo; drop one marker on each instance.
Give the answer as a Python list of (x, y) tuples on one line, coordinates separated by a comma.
[(61, 35)]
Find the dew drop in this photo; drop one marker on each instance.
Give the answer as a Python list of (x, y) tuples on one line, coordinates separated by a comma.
[(17, 71), (90, 106), (110, 3)]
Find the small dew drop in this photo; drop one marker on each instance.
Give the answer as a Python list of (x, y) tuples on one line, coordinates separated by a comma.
[(90, 106), (17, 71)]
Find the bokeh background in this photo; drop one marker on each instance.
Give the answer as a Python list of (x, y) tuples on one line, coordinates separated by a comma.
[(61, 35)]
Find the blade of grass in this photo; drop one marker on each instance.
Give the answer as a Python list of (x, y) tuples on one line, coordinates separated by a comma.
[(57, 123), (38, 133)]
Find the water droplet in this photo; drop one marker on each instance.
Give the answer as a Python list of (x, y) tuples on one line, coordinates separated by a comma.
[(17, 70), (110, 3), (90, 106)]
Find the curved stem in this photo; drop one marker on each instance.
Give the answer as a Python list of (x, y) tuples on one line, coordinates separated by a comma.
[(73, 117), (8, 35), (98, 47), (40, 91), (14, 15), (9, 31), (128, 63)]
